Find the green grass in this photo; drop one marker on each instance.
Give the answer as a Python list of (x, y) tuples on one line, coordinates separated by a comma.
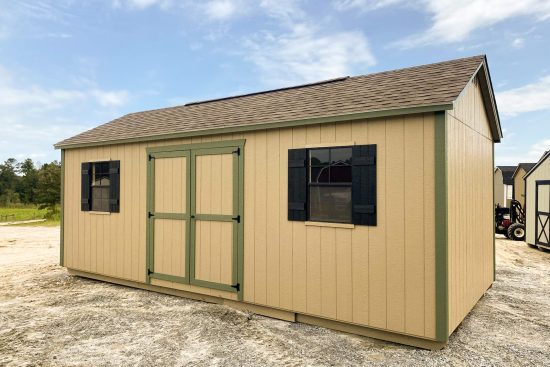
[(27, 212), (21, 213)]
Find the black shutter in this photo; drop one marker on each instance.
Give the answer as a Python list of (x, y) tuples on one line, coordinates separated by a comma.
[(86, 187), (363, 191), (114, 186), (297, 184)]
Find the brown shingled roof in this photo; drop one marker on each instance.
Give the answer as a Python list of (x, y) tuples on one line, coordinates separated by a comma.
[(427, 85)]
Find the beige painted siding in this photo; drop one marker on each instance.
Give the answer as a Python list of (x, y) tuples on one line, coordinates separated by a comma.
[(519, 186), (498, 190), (470, 204), (380, 276), (541, 173)]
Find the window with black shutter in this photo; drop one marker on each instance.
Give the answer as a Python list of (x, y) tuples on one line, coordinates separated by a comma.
[(101, 186), (333, 184)]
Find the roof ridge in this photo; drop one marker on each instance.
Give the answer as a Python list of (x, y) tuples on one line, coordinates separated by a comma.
[(422, 66), (327, 81)]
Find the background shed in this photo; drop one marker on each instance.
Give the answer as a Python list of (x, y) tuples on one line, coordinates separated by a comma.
[(537, 210), (504, 185)]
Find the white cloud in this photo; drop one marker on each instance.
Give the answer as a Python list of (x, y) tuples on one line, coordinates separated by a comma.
[(454, 20), (363, 5), (110, 98), (285, 11), (142, 4), (528, 98), (512, 155), (33, 117), (221, 9), (518, 42), (306, 55)]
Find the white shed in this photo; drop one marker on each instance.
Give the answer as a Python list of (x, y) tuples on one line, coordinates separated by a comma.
[(537, 203)]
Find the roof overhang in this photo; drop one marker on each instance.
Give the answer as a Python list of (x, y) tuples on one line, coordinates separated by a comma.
[(262, 126)]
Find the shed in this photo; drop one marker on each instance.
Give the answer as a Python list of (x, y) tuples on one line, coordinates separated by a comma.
[(341, 203), (504, 185), (519, 183), (537, 208)]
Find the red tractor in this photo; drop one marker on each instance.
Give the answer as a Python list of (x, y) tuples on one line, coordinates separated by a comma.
[(510, 221)]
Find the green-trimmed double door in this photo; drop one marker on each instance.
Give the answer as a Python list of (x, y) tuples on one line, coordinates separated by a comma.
[(194, 215)]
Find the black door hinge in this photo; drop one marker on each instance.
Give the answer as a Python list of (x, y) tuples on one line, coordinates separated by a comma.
[(150, 215), (149, 272), (237, 152), (237, 218), (236, 286), (150, 157)]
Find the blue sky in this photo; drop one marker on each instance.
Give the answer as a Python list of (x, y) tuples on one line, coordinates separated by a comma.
[(67, 66)]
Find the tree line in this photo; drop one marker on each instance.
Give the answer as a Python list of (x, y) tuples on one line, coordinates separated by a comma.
[(28, 183)]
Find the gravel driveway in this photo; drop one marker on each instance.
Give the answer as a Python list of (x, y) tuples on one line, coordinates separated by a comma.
[(50, 318)]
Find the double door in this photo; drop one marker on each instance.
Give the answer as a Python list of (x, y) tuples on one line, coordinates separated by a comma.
[(194, 215)]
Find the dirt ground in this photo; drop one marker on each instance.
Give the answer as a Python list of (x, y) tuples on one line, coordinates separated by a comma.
[(48, 318)]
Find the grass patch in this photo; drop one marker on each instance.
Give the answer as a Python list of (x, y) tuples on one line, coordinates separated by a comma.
[(17, 213)]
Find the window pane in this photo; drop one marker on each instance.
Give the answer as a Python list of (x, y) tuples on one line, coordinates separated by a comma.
[(319, 174), (100, 199), (340, 156), (319, 157), (340, 174), (330, 204), (100, 172)]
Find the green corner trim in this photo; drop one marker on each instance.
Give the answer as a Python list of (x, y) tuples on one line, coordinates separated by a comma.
[(441, 234), (273, 125), (62, 196), (494, 234)]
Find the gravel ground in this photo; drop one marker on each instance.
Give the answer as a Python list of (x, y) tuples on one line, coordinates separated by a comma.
[(48, 318)]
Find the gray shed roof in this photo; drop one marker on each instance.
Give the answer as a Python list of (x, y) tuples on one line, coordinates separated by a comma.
[(416, 89), (507, 174)]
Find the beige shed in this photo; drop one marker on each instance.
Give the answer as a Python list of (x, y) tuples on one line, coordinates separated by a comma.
[(503, 185), (341, 203), (519, 182), (537, 207)]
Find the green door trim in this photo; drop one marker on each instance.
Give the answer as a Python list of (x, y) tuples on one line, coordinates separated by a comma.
[(441, 224), (151, 216), (234, 147)]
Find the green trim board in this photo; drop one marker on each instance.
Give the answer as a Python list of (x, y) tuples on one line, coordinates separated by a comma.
[(441, 232), (273, 125), (164, 150), (62, 199), (494, 229)]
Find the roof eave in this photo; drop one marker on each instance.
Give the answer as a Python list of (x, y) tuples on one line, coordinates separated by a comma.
[(274, 125), (489, 101)]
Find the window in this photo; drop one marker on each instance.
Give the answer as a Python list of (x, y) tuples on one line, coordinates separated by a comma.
[(333, 184), (330, 184), (101, 186)]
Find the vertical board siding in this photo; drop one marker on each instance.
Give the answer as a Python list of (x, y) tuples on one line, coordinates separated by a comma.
[(381, 276), (470, 200), (519, 186)]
